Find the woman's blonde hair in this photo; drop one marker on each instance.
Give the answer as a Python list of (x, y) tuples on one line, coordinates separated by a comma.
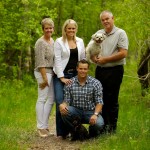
[(47, 21), (68, 21)]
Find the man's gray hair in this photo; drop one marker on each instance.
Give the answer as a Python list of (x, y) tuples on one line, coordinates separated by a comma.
[(106, 11)]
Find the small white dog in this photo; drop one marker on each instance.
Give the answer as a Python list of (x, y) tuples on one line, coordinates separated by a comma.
[(94, 47)]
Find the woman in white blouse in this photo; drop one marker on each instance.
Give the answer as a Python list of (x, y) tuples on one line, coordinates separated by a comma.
[(68, 50), (44, 56)]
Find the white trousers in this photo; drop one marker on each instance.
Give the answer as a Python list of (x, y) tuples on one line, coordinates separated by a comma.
[(45, 101)]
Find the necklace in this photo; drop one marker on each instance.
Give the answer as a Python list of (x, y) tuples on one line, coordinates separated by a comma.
[(48, 40)]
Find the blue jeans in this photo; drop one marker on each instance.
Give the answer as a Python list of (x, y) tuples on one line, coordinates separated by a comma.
[(85, 118), (61, 129)]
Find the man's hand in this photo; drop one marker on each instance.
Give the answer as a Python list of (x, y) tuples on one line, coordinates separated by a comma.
[(122, 53), (63, 109), (93, 120), (100, 60), (94, 58)]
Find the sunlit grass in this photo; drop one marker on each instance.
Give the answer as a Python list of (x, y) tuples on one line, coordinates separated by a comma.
[(17, 113), (18, 122)]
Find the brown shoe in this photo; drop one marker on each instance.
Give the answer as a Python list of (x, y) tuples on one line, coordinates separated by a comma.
[(49, 133), (42, 133), (59, 138)]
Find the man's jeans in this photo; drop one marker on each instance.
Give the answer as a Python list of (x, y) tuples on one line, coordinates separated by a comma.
[(85, 118)]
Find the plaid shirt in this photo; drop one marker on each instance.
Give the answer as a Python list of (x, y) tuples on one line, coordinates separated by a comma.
[(84, 97)]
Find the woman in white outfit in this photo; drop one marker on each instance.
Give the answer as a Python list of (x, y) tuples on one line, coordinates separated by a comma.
[(43, 72)]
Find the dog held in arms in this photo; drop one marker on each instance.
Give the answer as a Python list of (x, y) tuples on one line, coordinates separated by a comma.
[(94, 47), (79, 131)]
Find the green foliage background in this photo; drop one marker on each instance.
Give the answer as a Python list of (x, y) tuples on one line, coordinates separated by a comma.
[(20, 26)]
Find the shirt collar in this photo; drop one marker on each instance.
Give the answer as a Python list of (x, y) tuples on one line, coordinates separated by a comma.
[(76, 79), (113, 30)]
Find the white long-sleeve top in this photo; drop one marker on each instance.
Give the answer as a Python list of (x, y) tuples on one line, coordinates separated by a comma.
[(62, 54)]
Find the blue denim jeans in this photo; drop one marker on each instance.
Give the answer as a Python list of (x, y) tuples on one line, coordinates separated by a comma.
[(61, 129), (85, 118)]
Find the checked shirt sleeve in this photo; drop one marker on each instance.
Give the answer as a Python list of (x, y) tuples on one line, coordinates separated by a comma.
[(98, 95)]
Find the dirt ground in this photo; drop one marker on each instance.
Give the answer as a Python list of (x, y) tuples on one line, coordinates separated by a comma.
[(51, 142)]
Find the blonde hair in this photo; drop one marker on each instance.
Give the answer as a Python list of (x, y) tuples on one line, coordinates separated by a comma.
[(68, 21), (47, 21)]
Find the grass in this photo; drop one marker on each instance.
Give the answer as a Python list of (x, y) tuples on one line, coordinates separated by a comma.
[(17, 116), (134, 118)]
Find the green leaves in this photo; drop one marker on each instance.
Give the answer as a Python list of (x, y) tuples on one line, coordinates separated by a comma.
[(20, 22)]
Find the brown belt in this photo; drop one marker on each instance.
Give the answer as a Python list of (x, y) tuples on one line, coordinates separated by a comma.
[(70, 71)]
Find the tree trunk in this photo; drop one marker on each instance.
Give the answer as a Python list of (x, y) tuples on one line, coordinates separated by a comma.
[(60, 7), (19, 65), (144, 71), (28, 59)]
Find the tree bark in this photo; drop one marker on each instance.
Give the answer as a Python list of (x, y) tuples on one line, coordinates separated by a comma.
[(28, 59), (144, 71)]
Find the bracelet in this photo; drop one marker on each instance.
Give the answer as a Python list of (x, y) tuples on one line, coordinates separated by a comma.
[(96, 113)]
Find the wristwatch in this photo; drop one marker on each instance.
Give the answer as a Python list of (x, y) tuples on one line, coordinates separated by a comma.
[(96, 113)]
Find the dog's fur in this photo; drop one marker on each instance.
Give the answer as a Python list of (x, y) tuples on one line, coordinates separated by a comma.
[(79, 131), (94, 46)]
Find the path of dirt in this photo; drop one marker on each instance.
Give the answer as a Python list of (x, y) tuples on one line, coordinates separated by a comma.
[(51, 142)]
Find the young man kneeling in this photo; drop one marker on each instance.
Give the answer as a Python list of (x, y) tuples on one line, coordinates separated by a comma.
[(83, 98)]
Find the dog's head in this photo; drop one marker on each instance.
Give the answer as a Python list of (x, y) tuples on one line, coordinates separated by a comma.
[(76, 121), (99, 37)]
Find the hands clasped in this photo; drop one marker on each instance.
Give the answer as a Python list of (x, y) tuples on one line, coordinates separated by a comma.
[(93, 119), (99, 59)]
